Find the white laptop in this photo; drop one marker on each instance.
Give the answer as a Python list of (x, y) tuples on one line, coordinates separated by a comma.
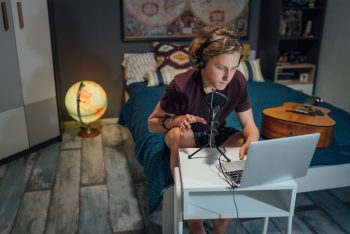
[(271, 161)]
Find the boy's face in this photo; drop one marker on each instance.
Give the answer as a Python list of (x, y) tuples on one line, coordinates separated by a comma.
[(219, 70)]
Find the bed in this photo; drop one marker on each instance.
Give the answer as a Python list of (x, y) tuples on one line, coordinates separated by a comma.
[(330, 167)]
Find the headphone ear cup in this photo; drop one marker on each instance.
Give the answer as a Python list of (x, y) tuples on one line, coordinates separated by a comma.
[(200, 63)]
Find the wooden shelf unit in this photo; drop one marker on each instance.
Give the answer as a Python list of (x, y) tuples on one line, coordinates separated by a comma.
[(299, 73), (272, 44)]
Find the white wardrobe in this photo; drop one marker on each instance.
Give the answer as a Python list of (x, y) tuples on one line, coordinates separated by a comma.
[(28, 104)]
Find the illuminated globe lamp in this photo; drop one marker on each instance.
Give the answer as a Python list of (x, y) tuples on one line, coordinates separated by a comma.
[(86, 102)]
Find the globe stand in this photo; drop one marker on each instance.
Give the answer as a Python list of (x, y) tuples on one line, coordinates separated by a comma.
[(88, 131)]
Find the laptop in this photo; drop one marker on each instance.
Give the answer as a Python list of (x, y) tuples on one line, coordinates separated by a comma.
[(271, 161)]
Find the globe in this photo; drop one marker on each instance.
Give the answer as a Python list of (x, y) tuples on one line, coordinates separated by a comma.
[(86, 101)]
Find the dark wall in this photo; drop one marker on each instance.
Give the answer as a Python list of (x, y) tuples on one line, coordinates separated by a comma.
[(88, 46)]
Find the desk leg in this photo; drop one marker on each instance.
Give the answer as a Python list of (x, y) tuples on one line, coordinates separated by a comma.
[(290, 222), (266, 223), (178, 227), (291, 211)]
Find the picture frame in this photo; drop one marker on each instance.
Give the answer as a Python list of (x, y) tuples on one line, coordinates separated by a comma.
[(148, 20)]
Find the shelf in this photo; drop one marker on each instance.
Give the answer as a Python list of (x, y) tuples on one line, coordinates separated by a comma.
[(282, 35), (298, 38), (302, 8), (251, 204), (290, 73), (295, 65), (292, 82)]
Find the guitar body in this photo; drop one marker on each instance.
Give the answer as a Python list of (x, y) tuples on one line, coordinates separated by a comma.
[(284, 121)]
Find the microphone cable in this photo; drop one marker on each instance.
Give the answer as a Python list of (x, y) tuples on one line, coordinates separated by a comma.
[(223, 171), (211, 118)]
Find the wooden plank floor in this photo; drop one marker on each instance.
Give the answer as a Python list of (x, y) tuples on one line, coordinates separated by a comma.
[(90, 186)]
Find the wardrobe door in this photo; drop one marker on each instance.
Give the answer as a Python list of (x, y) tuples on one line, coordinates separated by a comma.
[(13, 138), (13, 131), (10, 81), (42, 121), (32, 33)]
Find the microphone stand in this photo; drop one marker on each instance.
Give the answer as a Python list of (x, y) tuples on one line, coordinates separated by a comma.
[(213, 132)]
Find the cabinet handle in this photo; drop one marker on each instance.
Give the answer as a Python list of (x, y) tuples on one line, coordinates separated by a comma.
[(20, 15), (4, 16)]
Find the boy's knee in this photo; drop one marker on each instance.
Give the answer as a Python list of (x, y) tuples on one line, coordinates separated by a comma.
[(172, 137), (187, 139), (175, 138)]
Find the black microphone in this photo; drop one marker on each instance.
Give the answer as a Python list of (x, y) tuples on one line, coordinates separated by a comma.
[(215, 100)]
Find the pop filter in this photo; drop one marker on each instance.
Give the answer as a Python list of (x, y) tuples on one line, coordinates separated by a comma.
[(215, 99)]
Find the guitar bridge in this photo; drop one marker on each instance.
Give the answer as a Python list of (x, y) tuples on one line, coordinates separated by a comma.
[(309, 113)]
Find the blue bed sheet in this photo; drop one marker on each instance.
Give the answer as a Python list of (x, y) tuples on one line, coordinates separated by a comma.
[(153, 154)]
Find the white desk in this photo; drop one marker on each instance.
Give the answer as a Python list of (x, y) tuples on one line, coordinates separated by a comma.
[(201, 192)]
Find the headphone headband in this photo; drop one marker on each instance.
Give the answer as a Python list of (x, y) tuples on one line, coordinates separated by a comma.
[(208, 42), (199, 52)]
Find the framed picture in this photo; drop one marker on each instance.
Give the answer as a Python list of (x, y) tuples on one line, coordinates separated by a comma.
[(145, 20)]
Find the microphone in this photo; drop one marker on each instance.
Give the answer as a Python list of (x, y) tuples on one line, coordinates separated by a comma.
[(215, 100)]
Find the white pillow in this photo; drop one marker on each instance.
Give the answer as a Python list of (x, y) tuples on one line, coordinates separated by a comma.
[(251, 70), (163, 76), (136, 65)]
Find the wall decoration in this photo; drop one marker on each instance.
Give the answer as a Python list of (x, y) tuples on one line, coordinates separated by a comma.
[(180, 19)]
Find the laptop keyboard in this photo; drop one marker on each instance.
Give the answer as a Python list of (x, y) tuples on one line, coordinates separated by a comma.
[(235, 176)]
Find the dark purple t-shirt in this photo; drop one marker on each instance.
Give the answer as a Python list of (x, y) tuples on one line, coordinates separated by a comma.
[(185, 95)]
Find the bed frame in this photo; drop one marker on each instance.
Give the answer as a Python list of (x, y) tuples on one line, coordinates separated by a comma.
[(324, 177)]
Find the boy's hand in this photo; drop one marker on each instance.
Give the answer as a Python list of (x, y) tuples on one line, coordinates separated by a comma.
[(184, 121), (243, 151)]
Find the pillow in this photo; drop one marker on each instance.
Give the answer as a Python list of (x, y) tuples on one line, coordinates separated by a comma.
[(126, 55), (251, 70), (171, 55), (246, 48), (136, 65), (162, 77)]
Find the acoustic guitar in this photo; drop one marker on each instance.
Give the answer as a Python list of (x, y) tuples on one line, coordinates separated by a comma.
[(294, 119)]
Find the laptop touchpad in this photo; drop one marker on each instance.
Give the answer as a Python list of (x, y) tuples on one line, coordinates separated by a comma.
[(234, 166)]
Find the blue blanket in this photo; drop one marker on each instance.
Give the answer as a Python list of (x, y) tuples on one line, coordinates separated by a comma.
[(153, 154)]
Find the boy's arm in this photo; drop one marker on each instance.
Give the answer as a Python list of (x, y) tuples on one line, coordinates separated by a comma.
[(250, 131)]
